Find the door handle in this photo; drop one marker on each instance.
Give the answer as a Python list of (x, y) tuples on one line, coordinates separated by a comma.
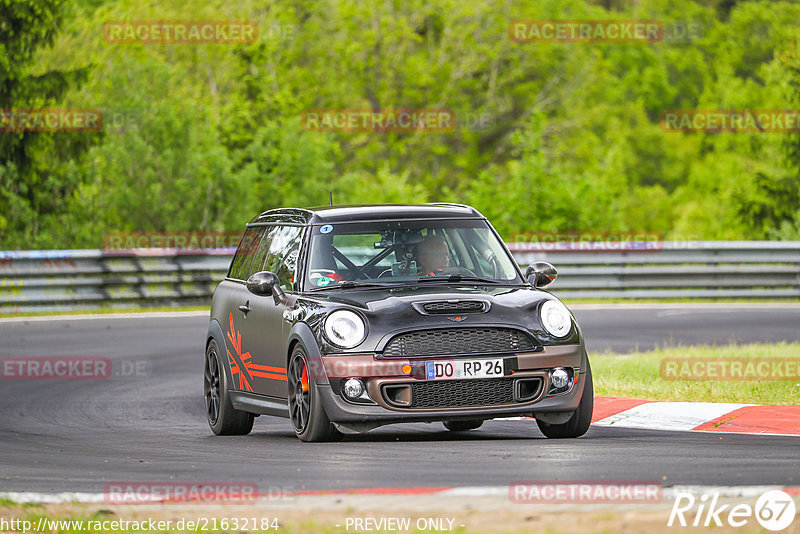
[(244, 308)]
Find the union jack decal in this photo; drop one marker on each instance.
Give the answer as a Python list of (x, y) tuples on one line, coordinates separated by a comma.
[(242, 367)]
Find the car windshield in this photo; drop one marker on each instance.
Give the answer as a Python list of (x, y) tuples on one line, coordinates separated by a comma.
[(387, 253)]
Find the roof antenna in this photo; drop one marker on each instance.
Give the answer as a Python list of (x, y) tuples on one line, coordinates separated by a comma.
[(330, 198)]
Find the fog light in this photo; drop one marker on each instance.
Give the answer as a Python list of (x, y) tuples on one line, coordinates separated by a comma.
[(353, 388), (559, 378)]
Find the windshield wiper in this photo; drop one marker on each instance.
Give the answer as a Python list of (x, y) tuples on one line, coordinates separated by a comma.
[(458, 278), (349, 284)]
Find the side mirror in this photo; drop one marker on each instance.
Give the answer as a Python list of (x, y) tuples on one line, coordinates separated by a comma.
[(541, 274), (265, 283)]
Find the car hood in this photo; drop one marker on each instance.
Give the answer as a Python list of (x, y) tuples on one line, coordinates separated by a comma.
[(390, 312)]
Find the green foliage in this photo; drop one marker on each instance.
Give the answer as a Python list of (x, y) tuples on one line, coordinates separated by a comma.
[(34, 181), (549, 136)]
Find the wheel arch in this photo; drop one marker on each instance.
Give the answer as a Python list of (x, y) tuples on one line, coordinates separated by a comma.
[(215, 333), (301, 334)]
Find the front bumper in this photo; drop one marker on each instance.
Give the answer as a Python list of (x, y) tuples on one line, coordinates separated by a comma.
[(378, 373)]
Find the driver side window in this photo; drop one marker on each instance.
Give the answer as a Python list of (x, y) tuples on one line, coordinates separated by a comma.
[(283, 253), (248, 253)]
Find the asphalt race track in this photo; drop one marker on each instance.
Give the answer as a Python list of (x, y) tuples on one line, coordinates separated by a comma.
[(628, 327), (150, 426)]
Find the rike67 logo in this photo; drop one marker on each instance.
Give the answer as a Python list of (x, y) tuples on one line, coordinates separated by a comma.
[(774, 510)]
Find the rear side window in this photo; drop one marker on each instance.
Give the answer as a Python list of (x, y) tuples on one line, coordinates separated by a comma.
[(245, 254)]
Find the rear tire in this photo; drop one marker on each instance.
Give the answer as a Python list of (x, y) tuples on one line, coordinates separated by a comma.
[(579, 423), (308, 417), (463, 426), (222, 417)]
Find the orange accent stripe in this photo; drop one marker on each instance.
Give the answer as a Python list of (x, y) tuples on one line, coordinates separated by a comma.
[(267, 368), (268, 375)]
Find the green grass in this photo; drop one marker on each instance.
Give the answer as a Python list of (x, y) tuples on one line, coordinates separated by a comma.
[(638, 375)]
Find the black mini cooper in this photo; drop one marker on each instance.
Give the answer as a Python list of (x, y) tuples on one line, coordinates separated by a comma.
[(345, 318)]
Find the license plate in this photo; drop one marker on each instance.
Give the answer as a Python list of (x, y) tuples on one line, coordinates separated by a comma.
[(463, 369)]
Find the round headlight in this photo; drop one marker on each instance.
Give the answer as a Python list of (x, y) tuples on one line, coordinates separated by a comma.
[(345, 329), (556, 318)]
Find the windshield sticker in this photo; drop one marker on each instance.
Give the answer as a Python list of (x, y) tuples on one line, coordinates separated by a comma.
[(323, 281), (328, 228)]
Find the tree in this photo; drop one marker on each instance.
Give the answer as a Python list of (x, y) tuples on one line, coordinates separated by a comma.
[(34, 176)]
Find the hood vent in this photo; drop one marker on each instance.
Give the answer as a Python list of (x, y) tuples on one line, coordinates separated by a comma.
[(449, 307)]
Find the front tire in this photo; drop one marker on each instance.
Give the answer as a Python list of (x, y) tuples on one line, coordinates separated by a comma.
[(223, 418), (579, 423), (308, 417)]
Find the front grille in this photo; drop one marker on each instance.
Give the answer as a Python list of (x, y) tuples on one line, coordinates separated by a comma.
[(463, 306), (449, 341), (462, 393)]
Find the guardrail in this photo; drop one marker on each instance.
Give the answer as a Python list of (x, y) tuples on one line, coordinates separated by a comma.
[(64, 280), (56, 280), (669, 269)]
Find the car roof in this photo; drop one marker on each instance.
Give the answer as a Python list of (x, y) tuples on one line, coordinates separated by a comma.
[(367, 212)]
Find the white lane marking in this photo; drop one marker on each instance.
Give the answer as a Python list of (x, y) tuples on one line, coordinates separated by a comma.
[(670, 415), (98, 316), (728, 432), (475, 491), (22, 497), (466, 491)]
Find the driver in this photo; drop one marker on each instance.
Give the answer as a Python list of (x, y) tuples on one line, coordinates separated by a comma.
[(433, 255)]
